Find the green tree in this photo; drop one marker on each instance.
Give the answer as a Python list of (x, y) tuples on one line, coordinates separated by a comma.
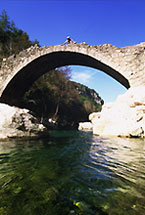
[(12, 39), (4, 32), (55, 96), (47, 94), (5, 24)]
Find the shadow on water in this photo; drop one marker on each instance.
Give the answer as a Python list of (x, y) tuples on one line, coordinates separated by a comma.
[(72, 173)]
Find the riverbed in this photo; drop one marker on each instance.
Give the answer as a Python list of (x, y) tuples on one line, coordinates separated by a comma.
[(72, 173)]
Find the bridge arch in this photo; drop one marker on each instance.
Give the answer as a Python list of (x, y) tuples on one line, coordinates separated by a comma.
[(39, 62)]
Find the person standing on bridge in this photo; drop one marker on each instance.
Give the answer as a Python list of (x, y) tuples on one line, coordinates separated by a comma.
[(69, 41)]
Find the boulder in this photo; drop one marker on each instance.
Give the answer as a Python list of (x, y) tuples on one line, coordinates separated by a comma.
[(87, 126), (125, 117), (17, 122)]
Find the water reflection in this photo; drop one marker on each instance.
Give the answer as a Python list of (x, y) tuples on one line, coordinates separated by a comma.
[(72, 173), (124, 159)]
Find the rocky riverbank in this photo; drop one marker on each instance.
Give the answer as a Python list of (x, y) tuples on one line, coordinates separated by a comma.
[(16, 122), (125, 117)]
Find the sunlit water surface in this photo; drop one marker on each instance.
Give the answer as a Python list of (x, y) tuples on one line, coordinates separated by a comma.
[(72, 173)]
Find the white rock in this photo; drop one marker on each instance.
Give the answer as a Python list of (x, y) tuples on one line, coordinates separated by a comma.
[(88, 126), (124, 117), (16, 122)]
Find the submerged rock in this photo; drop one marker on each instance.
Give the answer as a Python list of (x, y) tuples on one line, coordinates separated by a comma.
[(17, 122), (125, 117)]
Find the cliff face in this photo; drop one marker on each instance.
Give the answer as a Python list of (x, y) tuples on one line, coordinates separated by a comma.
[(88, 95)]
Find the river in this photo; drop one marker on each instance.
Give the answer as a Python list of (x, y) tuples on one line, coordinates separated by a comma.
[(72, 173)]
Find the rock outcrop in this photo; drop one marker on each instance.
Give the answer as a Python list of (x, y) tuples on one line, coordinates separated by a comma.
[(88, 93), (125, 117), (16, 122), (87, 126)]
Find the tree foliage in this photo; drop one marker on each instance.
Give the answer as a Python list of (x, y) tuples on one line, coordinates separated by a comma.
[(12, 39), (55, 96)]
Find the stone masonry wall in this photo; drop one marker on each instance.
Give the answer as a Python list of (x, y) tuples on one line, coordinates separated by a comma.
[(128, 61)]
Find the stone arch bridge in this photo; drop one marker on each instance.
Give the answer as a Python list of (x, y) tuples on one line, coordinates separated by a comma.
[(17, 73)]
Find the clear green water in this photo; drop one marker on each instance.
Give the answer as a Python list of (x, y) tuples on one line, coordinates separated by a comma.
[(72, 173)]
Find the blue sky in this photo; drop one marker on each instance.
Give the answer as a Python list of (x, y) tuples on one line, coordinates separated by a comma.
[(117, 22)]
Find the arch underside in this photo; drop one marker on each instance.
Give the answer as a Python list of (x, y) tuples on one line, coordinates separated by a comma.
[(24, 78)]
